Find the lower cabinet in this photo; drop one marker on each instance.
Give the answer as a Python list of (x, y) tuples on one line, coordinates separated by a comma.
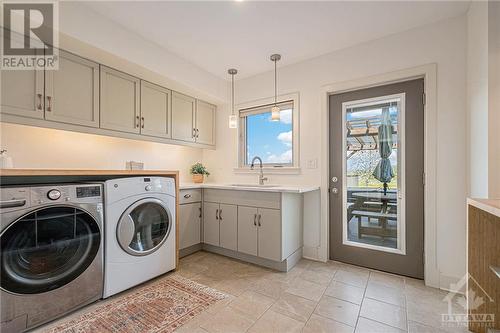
[(189, 224), (220, 226), (259, 232)]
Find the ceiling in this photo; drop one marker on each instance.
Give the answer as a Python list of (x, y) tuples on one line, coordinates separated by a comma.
[(243, 34)]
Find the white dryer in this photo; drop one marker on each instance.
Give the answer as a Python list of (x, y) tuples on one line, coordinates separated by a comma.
[(140, 231)]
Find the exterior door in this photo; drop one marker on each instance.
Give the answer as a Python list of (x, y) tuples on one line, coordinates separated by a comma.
[(189, 224), (269, 223), (205, 120), (228, 220), (211, 223), (376, 177), (72, 91), (120, 105), (155, 110), (247, 230), (144, 227), (183, 108)]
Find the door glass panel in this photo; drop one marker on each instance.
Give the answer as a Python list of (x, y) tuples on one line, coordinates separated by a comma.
[(373, 173), (151, 224), (47, 249)]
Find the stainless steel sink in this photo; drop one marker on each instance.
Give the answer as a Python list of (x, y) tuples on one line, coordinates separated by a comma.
[(254, 185)]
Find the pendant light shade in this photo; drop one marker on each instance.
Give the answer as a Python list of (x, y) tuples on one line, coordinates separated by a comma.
[(233, 119), (275, 110)]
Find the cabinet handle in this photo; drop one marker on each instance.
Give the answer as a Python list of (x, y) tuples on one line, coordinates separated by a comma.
[(49, 106), (39, 106), (255, 219), (199, 208), (142, 122), (197, 132), (193, 135), (217, 214), (259, 220), (187, 196), (137, 121), (220, 214)]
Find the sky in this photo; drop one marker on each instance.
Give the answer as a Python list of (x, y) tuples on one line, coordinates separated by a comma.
[(270, 140)]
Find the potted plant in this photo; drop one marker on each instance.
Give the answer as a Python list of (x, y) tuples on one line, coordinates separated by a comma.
[(198, 171)]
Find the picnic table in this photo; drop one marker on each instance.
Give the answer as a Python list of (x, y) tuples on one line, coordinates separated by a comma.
[(382, 215)]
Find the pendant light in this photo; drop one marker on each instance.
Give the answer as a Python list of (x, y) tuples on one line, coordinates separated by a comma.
[(275, 110), (233, 120)]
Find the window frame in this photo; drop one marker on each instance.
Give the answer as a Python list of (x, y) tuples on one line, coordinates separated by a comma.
[(253, 108)]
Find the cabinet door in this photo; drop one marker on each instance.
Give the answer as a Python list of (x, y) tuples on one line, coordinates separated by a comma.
[(119, 101), (183, 117), (247, 230), (228, 219), (211, 223), (155, 110), (22, 93), (205, 123), (72, 92), (269, 222), (189, 224)]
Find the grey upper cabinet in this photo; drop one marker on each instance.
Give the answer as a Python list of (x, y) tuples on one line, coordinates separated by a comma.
[(120, 107), (72, 91), (156, 115), (205, 123), (183, 117), (22, 93)]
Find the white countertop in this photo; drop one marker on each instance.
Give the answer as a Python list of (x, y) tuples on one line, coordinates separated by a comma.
[(251, 187), (491, 206)]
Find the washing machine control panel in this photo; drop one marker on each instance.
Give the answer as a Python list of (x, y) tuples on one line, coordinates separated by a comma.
[(66, 193)]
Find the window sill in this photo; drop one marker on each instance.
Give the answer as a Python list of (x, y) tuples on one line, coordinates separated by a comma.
[(269, 170)]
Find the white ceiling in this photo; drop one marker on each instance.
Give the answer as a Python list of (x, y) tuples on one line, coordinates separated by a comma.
[(219, 35)]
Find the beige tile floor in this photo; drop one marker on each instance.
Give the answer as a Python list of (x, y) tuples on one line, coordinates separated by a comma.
[(312, 298)]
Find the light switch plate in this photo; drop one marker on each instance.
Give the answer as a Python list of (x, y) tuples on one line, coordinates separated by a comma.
[(312, 164)]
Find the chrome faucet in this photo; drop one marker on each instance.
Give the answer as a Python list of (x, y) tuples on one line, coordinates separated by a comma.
[(261, 175)]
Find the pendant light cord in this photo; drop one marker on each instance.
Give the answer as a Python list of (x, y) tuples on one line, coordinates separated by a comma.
[(275, 84), (232, 94)]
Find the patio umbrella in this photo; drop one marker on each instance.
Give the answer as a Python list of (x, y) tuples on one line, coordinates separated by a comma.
[(383, 171)]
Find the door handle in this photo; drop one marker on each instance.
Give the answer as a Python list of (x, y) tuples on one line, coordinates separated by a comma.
[(142, 122), (39, 106), (220, 214), (255, 219), (12, 203), (199, 208), (334, 190), (217, 214), (187, 196), (137, 121), (260, 216), (193, 135), (49, 106)]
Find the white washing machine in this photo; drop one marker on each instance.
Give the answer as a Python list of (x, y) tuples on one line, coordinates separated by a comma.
[(140, 231)]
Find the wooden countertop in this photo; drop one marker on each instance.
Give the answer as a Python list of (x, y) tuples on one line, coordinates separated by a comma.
[(84, 172), (491, 206)]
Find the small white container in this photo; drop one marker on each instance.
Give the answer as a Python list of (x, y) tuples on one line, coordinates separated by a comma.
[(5, 160)]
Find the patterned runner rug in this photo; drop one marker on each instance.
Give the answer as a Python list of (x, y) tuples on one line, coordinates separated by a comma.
[(161, 306)]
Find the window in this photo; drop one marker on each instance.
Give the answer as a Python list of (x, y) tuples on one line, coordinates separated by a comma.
[(275, 142)]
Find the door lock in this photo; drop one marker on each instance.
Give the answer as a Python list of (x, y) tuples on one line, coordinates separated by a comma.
[(335, 179)]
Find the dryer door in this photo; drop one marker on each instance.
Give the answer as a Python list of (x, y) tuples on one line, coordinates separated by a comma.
[(47, 248), (144, 227)]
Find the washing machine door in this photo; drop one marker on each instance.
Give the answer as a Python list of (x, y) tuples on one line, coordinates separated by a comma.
[(144, 227), (47, 248)]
